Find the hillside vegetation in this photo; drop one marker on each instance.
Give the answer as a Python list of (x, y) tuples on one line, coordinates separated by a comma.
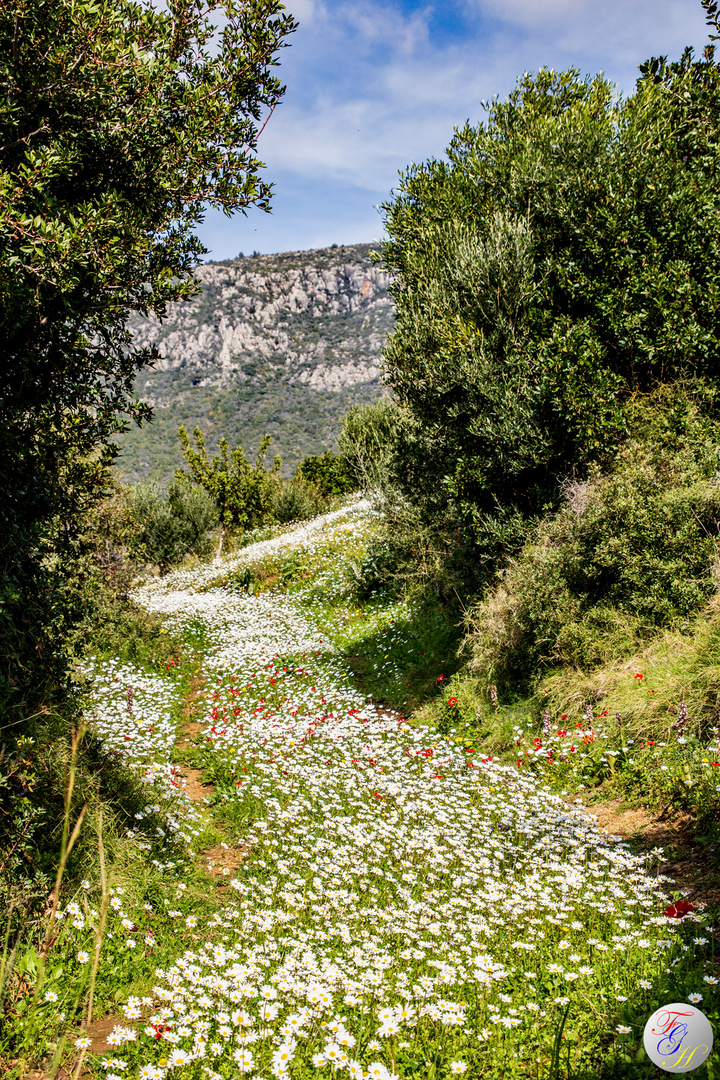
[(300, 760), (278, 344)]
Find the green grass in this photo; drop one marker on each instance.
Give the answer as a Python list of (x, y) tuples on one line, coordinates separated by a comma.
[(405, 654)]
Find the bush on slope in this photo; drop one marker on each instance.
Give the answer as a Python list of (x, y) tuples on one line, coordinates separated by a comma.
[(631, 552)]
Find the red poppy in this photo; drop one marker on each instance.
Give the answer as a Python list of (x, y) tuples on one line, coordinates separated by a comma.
[(440, 678), (452, 701), (637, 676), (677, 910)]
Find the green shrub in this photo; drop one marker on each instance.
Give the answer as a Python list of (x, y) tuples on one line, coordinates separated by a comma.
[(173, 525), (369, 434), (629, 553), (298, 500), (377, 571), (330, 473), (241, 493)]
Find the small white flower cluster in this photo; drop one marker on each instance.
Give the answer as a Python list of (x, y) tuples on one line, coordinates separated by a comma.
[(391, 889)]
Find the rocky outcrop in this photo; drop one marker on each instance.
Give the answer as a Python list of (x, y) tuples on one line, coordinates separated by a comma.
[(313, 318), (283, 344)]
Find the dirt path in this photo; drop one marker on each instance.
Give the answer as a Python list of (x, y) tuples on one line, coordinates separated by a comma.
[(692, 865), (223, 859)]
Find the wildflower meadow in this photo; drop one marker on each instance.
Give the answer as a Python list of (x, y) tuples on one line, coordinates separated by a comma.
[(392, 905)]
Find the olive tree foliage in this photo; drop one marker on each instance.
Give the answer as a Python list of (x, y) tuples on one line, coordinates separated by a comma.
[(171, 524), (561, 260), (119, 124), (243, 494), (366, 441)]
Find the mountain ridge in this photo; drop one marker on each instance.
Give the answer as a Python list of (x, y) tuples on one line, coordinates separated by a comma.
[(283, 343)]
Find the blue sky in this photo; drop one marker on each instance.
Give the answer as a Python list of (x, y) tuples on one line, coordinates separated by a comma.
[(373, 85)]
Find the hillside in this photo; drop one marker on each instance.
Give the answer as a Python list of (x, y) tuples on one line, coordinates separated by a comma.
[(279, 343), (289, 821)]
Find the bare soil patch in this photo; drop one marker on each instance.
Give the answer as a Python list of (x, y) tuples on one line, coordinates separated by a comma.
[(634, 823), (390, 710), (694, 866), (98, 1033), (189, 730), (190, 727), (223, 860), (194, 787)]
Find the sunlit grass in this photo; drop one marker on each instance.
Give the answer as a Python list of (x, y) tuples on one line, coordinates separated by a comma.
[(408, 904)]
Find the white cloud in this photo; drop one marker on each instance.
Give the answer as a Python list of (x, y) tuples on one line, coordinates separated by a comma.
[(394, 99), (637, 28), (373, 87), (305, 11), (535, 13)]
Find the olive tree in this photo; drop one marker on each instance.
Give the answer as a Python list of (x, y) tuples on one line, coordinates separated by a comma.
[(243, 494), (171, 524)]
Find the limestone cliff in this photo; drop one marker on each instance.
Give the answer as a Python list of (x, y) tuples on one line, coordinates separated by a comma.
[(279, 343)]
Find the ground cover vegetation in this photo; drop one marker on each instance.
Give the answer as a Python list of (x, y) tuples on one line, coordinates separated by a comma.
[(241, 937), (320, 805)]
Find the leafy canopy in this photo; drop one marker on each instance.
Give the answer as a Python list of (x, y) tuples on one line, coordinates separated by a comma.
[(562, 259), (242, 493), (330, 473), (119, 124)]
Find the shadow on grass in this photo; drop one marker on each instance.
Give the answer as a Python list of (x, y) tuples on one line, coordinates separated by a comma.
[(406, 661)]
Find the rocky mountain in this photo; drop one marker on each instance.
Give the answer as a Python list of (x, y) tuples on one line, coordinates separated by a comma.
[(283, 344)]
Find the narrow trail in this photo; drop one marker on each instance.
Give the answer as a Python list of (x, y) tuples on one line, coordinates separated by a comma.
[(395, 909)]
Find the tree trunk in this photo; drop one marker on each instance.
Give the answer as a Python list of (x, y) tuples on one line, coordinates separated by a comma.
[(222, 540)]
